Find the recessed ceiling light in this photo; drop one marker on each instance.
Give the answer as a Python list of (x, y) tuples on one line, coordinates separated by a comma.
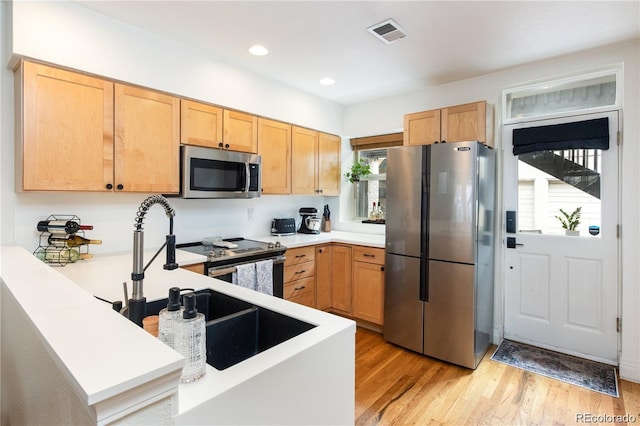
[(258, 50), (327, 81)]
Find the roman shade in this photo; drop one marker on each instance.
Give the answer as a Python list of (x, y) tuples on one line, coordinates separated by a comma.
[(376, 142), (589, 134)]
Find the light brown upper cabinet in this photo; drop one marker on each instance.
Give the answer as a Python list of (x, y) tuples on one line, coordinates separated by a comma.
[(64, 130), (200, 124), (274, 145), (329, 164), (214, 127), (147, 140), (422, 128), (315, 162), (304, 148), (469, 122), (473, 121), (82, 133), (240, 131)]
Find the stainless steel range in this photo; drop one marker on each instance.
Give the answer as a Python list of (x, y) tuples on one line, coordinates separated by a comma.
[(223, 257)]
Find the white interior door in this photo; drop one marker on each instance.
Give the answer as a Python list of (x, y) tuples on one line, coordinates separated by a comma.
[(561, 292)]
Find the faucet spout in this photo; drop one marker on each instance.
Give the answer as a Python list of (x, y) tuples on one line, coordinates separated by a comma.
[(137, 304)]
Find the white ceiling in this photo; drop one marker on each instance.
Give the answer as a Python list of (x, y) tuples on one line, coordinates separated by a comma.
[(447, 40)]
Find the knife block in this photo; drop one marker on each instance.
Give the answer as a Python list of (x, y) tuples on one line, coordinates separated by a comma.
[(326, 225)]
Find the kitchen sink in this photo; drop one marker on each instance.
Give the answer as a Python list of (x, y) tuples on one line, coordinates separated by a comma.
[(208, 302), (238, 330)]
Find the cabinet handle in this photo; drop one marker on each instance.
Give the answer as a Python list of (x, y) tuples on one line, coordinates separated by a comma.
[(320, 191), (299, 288), (120, 187), (369, 255), (382, 268), (301, 255), (109, 186), (320, 251), (220, 145), (226, 146)]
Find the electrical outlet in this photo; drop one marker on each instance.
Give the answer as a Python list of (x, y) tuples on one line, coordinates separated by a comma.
[(250, 214)]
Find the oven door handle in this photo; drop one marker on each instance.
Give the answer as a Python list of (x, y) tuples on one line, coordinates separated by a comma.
[(228, 269)]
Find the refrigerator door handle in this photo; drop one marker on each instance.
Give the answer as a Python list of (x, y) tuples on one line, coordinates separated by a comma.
[(424, 281)]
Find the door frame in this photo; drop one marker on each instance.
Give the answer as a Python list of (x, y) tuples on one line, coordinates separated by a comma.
[(501, 262)]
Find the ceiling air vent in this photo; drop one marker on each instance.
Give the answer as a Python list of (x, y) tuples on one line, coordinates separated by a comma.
[(388, 31)]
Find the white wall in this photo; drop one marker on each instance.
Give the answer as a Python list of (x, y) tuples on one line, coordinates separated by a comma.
[(386, 115), (69, 35)]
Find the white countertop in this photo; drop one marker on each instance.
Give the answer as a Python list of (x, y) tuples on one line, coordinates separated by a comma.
[(57, 298), (300, 240)]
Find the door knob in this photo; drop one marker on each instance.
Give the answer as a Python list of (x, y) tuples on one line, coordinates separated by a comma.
[(511, 242)]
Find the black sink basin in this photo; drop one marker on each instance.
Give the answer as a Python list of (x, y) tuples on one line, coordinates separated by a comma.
[(208, 302), (238, 330)]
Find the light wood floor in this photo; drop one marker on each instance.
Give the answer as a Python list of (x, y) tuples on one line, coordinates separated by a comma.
[(395, 386)]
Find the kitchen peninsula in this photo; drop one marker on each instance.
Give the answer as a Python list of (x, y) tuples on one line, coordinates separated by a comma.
[(68, 358)]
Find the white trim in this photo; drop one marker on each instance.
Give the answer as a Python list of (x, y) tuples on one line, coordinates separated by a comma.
[(564, 80)]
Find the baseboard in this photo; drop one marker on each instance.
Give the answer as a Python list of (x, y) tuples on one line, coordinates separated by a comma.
[(629, 370)]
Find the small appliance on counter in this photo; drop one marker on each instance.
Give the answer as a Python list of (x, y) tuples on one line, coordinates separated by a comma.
[(310, 223), (283, 226)]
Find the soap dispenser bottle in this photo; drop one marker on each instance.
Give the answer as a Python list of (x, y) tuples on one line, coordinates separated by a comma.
[(190, 340), (168, 318)]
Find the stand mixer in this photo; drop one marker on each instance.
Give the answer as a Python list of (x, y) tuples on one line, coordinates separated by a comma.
[(310, 223)]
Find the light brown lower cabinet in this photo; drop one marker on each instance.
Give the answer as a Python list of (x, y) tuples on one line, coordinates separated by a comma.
[(350, 281), (341, 290), (368, 284), (324, 276)]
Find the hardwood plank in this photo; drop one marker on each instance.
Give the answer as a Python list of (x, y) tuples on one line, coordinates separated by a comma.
[(395, 386)]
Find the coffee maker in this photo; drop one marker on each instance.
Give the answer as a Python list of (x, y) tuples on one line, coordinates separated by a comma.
[(310, 223)]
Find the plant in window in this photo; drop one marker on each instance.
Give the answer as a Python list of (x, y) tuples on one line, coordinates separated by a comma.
[(358, 170), (570, 221)]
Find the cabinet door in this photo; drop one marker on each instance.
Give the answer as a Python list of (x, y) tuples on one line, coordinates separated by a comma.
[(147, 142), (422, 128), (464, 123), (329, 164), (200, 124), (240, 131), (368, 292), (341, 290), (274, 145), (324, 276), (67, 130), (304, 148)]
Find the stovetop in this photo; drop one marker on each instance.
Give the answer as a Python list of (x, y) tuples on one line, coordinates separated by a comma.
[(234, 249)]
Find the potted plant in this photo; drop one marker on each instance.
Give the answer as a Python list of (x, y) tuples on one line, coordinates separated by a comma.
[(358, 170), (570, 221)]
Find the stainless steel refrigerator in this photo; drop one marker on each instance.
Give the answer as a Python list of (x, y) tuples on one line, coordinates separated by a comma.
[(440, 250)]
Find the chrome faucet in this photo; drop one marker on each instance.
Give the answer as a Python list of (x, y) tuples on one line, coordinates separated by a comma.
[(136, 308)]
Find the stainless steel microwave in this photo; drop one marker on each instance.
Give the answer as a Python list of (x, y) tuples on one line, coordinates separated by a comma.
[(216, 173)]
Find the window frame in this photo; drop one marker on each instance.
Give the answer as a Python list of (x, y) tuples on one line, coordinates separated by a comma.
[(570, 80)]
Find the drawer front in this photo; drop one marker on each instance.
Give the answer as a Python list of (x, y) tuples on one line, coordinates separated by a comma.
[(299, 255), (306, 299), (368, 254), (302, 270), (299, 287)]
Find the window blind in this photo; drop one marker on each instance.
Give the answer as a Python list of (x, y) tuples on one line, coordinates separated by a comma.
[(589, 134)]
